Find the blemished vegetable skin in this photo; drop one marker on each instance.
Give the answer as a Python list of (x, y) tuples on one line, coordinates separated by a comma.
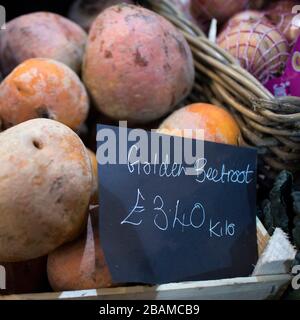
[(218, 124), (46, 184), (43, 88), (41, 34), (80, 265), (137, 65)]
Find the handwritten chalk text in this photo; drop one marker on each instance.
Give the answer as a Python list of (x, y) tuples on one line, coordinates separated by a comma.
[(165, 218), (201, 170)]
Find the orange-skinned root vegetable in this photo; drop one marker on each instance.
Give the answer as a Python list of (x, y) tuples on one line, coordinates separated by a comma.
[(41, 35), (222, 10), (84, 12), (288, 22), (46, 183), (137, 65), (258, 46), (80, 265), (43, 88), (218, 124)]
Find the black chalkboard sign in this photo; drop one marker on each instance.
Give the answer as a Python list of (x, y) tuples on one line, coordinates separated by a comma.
[(160, 223)]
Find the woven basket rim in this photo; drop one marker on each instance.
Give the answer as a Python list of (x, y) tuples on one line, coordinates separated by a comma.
[(270, 124), (242, 75)]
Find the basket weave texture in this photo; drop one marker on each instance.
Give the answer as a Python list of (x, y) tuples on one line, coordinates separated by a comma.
[(270, 124)]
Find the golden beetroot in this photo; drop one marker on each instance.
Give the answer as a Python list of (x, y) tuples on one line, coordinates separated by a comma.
[(80, 265), (46, 184), (41, 35), (43, 88), (137, 65), (218, 124)]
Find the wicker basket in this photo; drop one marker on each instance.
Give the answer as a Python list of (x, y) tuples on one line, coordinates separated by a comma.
[(270, 124)]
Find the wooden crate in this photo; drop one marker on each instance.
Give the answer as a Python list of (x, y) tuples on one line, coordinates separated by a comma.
[(268, 281)]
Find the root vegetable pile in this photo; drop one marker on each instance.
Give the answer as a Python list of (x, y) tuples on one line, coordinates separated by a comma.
[(57, 83)]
